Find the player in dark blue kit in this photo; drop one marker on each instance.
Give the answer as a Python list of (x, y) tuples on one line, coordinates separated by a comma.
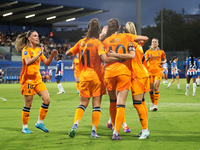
[(191, 72), (59, 73)]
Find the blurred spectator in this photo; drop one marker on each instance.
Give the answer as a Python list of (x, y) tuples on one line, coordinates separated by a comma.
[(1, 75), (1, 56)]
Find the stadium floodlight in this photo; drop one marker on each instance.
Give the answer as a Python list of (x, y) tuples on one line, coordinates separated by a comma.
[(7, 14), (52, 17), (71, 19), (29, 16)]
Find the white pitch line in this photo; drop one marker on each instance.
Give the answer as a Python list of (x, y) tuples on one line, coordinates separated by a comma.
[(3, 99), (107, 102)]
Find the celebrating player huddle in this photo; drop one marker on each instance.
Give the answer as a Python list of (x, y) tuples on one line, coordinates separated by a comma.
[(126, 68)]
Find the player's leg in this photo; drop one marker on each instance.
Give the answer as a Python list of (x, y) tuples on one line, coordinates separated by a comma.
[(98, 89), (163, 77), (194, 86), (156, 94), (28, 91), (26, 112), (60, 87), (137, 103), (44, 94), (138, 86), (166, 77), (178, 83), (187, 85), (84, 101), (111, 84), (170, 83), (122, 88), (151, 95), (96, 114), (76, 75)]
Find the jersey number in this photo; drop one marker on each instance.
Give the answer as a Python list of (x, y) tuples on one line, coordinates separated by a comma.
[(117, 49), (30, 86), (87, 58)]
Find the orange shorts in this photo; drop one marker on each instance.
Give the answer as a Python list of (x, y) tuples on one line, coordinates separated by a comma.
[(118, 83), (154, 77), (92, 88), (139, 85), (76, 73), (32, 89)]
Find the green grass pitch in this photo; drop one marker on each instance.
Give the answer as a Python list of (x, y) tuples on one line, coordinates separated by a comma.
[(176, 125)]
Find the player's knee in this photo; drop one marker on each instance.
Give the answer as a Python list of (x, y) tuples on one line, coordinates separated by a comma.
[(47, 101)]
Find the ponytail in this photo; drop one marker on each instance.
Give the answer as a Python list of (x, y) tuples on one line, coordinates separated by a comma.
[(113, 26), (22, 40), (173, 58), (93, 29)]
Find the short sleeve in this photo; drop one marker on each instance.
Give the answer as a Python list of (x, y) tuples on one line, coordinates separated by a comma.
[(42, 57), (25, 53), (146, 55), (163, 55), (100, 49), (74, 50)]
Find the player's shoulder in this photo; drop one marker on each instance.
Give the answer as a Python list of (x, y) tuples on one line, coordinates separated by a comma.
[(160, 50), (148, 51)]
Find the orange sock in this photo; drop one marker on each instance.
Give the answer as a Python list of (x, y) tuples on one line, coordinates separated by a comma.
[(79, 114), (124, 120), (77, 86), (156, 97), (151, 97), (145, 107), (141, 112), (113, 105), (119, 118), (25, 115), (96, 114), (43, 111)]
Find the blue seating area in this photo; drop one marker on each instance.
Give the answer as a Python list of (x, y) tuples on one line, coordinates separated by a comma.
[(11, 79)]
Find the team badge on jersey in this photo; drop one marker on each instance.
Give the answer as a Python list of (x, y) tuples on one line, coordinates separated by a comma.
[(131, 48), (25, 52)]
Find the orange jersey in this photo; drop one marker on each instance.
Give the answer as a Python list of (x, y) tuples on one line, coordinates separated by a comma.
[(90, 66), (76, 64), (138, 70), (153, 64), (31, 74), (120, 44)]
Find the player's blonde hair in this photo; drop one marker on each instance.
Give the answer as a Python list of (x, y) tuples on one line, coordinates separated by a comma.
[(93, 28), (22, 40), (130, 28), (151, 45), (113, 26)]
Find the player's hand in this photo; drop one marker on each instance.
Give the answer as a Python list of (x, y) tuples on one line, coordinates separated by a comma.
[(55, 77), (141, 42), (112, 53), (42, 49), (54, 52), (104, 30)]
